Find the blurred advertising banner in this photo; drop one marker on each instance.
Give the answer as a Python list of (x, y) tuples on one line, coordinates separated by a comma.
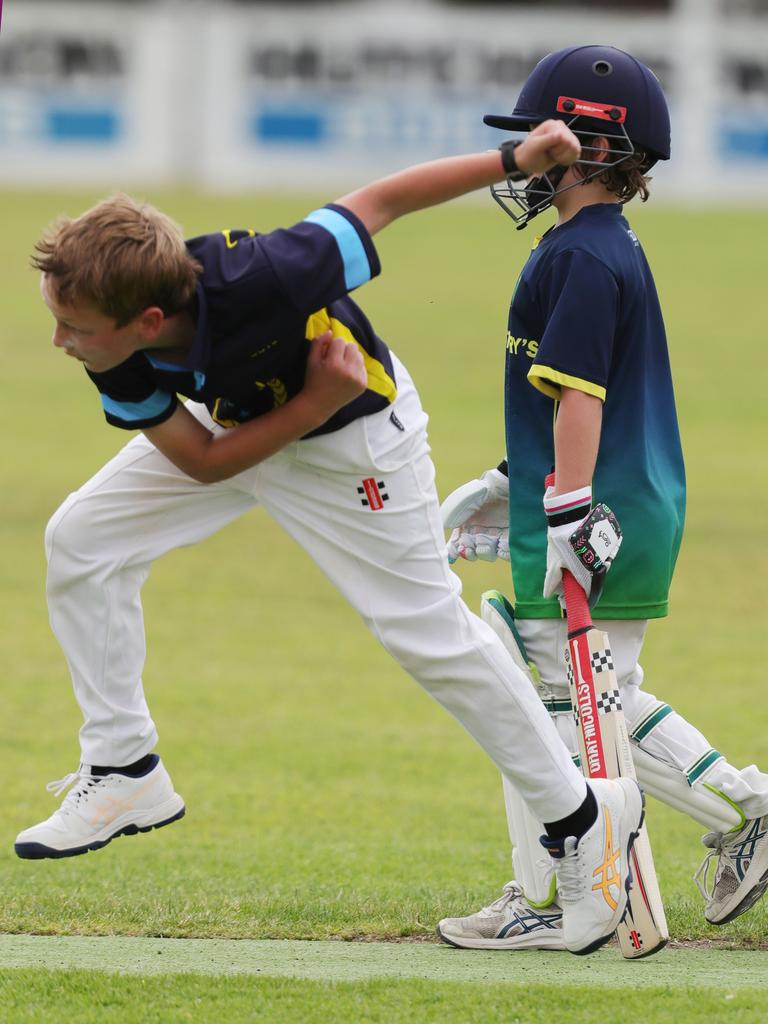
[(85, 92), (307, 95), (342, 92)]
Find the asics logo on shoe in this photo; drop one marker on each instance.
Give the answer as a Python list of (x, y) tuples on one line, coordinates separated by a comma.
[(609, 871), (110, 807), (532, 922), (744, 850)]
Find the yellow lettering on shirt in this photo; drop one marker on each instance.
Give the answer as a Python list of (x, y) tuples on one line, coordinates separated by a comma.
[(522, 346)]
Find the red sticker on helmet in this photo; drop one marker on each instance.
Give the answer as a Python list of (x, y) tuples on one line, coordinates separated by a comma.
[(586, 108)]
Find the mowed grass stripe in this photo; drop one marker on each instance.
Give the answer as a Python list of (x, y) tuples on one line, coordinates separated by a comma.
[(37, 996), (361, 961)]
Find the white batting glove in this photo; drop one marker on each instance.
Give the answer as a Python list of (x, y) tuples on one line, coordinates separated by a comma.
[(478, 514), (582, 540)]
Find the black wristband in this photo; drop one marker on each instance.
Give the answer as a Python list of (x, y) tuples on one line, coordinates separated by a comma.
[(508, 161), (503, 468)]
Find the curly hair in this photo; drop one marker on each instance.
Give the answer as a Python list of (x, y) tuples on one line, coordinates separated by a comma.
[(629, 178)]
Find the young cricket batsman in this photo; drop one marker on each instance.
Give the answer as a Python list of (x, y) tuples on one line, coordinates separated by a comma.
[(588, 390), (297, 406)]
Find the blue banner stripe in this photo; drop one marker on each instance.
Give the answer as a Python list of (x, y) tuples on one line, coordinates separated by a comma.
[(157, 403), (82, 124), (356, 267), (277, 126), (749, 142)]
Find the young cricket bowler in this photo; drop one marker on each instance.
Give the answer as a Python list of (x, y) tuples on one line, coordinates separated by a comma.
[(588, 390), (296, 405)]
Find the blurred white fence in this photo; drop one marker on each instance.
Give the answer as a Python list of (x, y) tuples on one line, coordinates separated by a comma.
[(298, 96)]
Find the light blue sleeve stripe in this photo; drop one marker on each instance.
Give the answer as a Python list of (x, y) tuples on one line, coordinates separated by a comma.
[(160, 365), (130, 411), (357, 270)]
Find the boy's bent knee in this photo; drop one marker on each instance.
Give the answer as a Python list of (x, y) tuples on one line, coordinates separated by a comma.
[(71, 539), (56, 533)]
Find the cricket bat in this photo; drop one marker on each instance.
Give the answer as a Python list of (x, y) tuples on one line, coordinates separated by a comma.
[(606, 754)]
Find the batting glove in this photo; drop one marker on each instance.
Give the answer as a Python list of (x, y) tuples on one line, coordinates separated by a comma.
[(478, 514), (581, 539)]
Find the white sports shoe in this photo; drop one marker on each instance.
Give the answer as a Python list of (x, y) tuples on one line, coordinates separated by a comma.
[(593, 872), (741, 875), (510, 922), (100, 807)]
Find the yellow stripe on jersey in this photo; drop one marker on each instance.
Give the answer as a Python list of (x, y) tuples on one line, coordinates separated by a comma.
[(378, 378), (550, 381)]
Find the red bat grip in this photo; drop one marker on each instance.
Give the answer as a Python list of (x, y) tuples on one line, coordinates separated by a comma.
[(576, 604)]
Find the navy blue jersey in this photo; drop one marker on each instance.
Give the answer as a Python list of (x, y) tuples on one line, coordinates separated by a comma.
[(585, 315), (259, 301)]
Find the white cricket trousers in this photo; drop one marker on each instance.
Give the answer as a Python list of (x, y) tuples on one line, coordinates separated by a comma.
[(362, 502)]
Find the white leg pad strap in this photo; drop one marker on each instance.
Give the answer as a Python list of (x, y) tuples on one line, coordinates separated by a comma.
[(701, 801)]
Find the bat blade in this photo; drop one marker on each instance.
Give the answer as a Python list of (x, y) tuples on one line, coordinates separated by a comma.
[(605, 752)]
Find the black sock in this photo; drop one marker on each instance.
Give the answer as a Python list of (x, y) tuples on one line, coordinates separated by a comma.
[(140, 767), (576, 824)]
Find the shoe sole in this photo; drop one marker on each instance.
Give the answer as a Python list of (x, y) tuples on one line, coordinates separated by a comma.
[(627, 886), (543, 942), (37, 851)]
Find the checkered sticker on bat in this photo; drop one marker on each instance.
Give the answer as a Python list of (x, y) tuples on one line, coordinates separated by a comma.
[(568, 667), (608, 702), (601, 661)]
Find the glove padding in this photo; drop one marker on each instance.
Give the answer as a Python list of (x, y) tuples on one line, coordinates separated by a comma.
[(478, 514), (582, 540)]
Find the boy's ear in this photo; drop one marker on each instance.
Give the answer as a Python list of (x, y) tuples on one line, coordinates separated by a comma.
[(150, 322), (601, 146)]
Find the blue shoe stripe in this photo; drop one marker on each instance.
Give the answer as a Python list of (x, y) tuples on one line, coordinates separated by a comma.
[(532, 922)]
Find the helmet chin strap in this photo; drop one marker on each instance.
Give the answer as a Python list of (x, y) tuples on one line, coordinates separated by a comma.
[(536, 187)]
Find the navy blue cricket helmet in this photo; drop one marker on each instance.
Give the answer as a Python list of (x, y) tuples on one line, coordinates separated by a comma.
[(603, 79), (597, 91)]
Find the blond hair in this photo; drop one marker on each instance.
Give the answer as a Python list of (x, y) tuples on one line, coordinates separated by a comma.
[(121, 256)]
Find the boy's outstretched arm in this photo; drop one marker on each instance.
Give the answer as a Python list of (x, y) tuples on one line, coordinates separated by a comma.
[(423, 185), (335, 371)]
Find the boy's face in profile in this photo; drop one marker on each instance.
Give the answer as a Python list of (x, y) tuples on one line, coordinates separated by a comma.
[(90, 336)]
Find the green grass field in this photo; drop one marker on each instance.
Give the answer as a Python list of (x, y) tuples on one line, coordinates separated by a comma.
[(327, 796)]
